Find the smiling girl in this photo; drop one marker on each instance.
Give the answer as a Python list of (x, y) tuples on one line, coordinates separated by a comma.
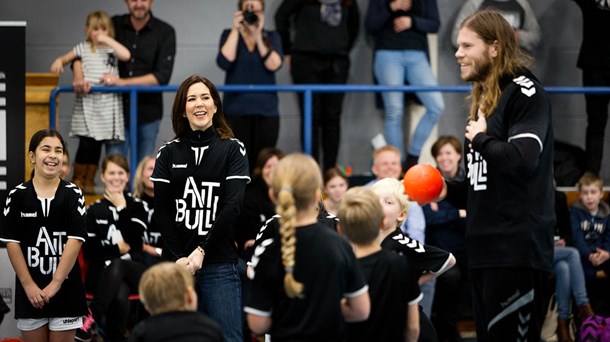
[(44, 228)]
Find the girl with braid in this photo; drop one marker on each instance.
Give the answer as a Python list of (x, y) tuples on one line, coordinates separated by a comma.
[(306, 283)]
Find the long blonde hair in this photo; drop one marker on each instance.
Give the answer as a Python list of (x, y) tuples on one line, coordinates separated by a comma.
[(138, 181), (494, 29), (295, 182)]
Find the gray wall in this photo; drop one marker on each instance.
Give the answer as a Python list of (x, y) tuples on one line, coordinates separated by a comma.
[(53, 27)]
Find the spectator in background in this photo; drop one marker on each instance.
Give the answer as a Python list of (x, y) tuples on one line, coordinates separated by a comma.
[(144, 190), (446, 229), (257, 206), (152, 43), (335, 185), (116, 226), (518, 13), (400, 29), (569, 275), (317, 36), (249, 54), (97, 118), (594, 60), (590, 220)]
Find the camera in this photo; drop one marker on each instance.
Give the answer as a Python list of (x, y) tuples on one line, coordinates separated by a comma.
[(250, 17)]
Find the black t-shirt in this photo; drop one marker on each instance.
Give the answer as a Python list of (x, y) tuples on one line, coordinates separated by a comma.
[(327, 267), (153, 49), (392, 287), (106, 225), (41, 227), (423, 258), (200, 181), (183, 326), (152, 235), (511, 216), (257, 209)]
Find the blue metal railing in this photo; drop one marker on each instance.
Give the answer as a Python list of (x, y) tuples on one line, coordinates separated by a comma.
[(306, 89)]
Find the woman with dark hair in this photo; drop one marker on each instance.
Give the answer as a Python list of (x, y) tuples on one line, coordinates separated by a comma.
[(200, 178), (446, 229), (249, 54), (258, 207), (43, 228), (116, 226)]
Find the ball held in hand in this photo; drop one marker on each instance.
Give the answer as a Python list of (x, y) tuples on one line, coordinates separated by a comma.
[(423, 183)]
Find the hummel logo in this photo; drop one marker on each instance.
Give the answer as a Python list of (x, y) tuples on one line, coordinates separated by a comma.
[(242, 148), (527, 86), (179, 166), (29, 214)]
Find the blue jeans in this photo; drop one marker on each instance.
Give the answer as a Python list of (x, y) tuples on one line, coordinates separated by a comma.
[(395, 67), (570, 280), (428, 290), (219, 291), (147, 139)]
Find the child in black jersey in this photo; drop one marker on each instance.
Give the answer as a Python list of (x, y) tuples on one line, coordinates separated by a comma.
[(44, 228), (392, 282), (168, 293), (116, 226), (306, 284), (428, 262)]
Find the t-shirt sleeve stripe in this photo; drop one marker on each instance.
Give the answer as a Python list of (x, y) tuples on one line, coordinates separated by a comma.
[(445, 266), (238, 177), (257, 312), (417, 300), (9, 240), (76, 237), (527, 135), (154, 179), (357, 293)]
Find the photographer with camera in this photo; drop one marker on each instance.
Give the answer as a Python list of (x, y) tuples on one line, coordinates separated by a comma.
[(249, 54)]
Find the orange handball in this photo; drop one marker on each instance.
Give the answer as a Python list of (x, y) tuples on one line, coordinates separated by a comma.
[(423, 183)]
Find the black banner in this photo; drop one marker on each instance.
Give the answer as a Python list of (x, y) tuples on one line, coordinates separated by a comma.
[(12, 106)]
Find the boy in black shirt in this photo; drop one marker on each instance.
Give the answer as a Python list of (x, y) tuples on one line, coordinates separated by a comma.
[(392, 282)]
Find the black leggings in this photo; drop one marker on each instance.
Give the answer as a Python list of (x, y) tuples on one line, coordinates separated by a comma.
[(116, 282), (89, 151)]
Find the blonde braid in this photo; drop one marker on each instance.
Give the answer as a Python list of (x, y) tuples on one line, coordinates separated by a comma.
[(287, 210)]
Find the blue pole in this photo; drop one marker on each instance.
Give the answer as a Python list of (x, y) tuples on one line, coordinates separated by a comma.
[(133, 134), (307, 126)]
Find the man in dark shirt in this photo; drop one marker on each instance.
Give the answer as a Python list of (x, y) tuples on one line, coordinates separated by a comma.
[(152, 44), (510, 195), (594, 60)]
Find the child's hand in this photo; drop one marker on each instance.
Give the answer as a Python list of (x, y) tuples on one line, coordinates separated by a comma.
[(124, 247), (101, 37), (35, 295), (57, 67), (50, 290), (599, 257), (117, 198)]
